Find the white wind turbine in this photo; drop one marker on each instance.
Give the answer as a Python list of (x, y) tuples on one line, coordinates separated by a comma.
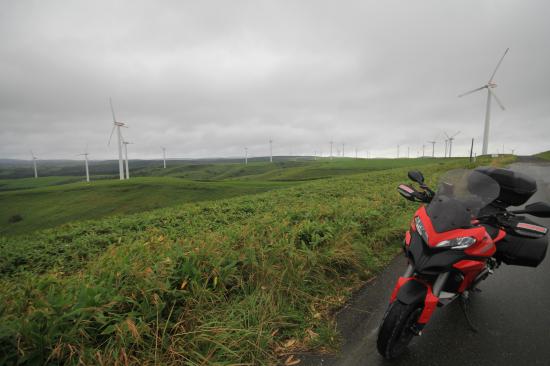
[(270, 150), (126, 143), (450, 139), (164, 156), (246, 155), (34, 159), (117, 125), (86, 163), (433, 147), (490, 93)]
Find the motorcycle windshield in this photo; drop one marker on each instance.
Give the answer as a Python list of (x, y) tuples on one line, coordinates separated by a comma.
[(460, 195)]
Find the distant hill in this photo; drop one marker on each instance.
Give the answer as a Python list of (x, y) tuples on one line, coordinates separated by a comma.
[(544, 155)]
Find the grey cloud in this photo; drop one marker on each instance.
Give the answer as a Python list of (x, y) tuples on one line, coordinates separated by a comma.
[(208, 78)]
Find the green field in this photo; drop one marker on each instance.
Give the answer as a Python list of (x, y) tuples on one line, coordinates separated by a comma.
[(544, 155), (239, 280), (47, 207), (51, 201)]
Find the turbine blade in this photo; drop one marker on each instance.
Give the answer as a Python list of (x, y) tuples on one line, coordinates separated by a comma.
[(498, 65), (110, 137), (498, 100), (446, 135), (472, 91), (456, 133), (112, 109)]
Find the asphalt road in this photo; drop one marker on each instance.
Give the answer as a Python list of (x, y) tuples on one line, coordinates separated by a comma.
[(512, 313)]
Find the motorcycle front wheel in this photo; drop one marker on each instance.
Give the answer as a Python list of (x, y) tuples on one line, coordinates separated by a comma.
[(396, 332)]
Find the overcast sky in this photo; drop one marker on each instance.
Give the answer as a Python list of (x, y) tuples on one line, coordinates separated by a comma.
[(206, 78)]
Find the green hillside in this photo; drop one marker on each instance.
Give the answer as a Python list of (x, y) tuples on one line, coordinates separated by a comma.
[(240, 280), (29, 204), (544, 155), (46, 207)]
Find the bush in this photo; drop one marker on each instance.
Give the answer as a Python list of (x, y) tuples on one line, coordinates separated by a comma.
[(15, 218)]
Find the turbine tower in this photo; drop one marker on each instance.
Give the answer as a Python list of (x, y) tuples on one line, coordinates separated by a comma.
[(86, 163), (451, 138), (490, 93), (331, 142), (117, 125), (246, 155), (270, 150), (164, 156), (126, 143), (433, 147), (34, 159)]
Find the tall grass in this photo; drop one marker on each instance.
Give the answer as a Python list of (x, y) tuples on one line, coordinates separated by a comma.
[(233, 282)]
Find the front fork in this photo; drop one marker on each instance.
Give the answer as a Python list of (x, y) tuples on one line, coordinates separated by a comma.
[(411, 290)]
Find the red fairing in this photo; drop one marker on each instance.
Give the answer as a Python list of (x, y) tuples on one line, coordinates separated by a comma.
[(484, 245), (400, 282), (470, 269), (408, 238), (500, 236), (430, 303)]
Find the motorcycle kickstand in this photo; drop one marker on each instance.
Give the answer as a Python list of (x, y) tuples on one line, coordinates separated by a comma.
[(465, 306)]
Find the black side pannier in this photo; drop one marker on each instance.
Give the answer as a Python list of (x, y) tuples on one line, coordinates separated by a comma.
[(515, 188), (522, 251)]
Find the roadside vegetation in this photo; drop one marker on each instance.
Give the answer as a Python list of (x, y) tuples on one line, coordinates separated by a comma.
[(243, 280), (544, 155)]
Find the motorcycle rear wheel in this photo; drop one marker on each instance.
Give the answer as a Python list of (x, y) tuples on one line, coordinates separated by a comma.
[(395, 332)]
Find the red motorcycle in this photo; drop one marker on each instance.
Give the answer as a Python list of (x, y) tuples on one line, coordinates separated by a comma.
[(455, 241)]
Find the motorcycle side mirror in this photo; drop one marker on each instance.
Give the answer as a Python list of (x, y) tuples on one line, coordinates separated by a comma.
[(416, 176), (538, 209)]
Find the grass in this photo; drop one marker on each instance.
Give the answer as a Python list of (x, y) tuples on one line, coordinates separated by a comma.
[(29, 183), (544, 155), (30, 204), (243, 280), (47, 207)]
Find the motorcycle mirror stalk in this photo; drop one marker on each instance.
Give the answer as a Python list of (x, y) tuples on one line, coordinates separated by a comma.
[(418, 177)]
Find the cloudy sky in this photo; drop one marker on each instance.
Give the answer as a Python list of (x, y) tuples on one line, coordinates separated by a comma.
[(206, 78)]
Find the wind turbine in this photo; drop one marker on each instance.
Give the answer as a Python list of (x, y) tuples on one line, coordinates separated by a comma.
[(490, 93), (433, 147), (246, 155), (117, 125), (331, 142), (270, 150), (164, 156), (126, 143), (451, 138), (86, 163), (34, 159)]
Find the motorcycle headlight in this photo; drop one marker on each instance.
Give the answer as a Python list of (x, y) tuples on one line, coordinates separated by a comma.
[(457, 243), (420, 228)]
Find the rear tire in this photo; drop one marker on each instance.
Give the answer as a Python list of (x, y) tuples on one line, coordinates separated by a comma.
[(395, 331)]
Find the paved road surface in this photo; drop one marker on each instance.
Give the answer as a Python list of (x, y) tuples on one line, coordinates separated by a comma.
[(512, 312)]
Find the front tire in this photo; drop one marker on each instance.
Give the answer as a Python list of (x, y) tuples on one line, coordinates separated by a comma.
[(395, 332)]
